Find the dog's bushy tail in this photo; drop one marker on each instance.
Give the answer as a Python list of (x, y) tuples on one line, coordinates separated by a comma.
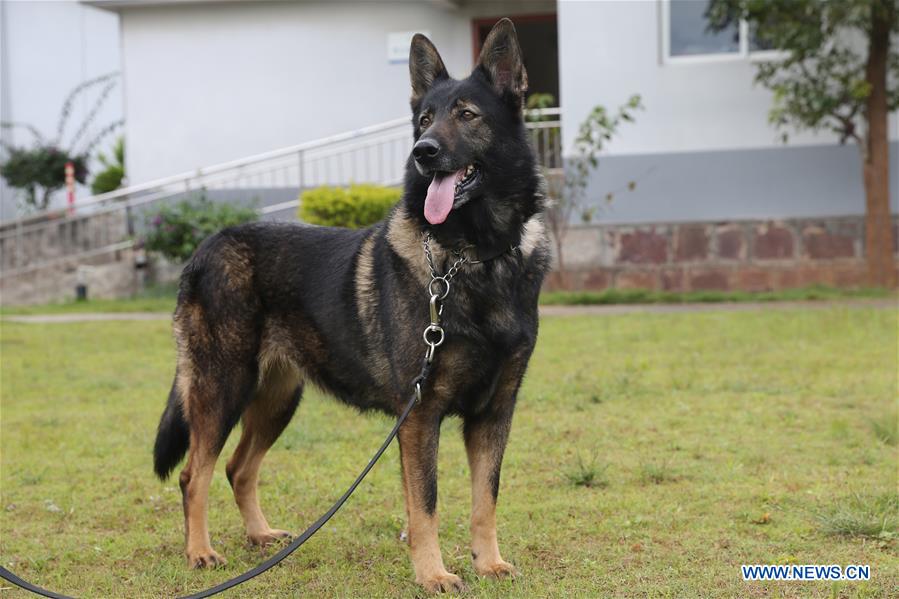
[(172, 437)]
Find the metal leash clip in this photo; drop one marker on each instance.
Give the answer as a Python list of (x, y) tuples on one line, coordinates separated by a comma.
[(434, 334), (438, 289)]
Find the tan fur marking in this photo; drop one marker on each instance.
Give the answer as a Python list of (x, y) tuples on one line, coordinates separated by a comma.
[(484, 546), (452, 362), (192, 325), (235, 261), (463, 104), (189, 330), (183, 381), (195, 479), (424, 545), (485, 442), (278, 381), (367, 305), (476, 132), (406, 240), (534, 236), (275, 353), (365, 286), (243, 469)]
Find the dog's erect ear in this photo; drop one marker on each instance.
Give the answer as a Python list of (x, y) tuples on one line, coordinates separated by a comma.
[(501, 60), (425, 66)]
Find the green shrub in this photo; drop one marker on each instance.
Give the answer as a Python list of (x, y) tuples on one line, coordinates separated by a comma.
[(354, 207), (176, 231), (110, 178)]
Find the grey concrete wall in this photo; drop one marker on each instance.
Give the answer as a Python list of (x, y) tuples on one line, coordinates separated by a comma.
[(759, 183)]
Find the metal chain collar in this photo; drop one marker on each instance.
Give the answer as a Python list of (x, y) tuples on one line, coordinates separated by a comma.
[(438, 290)]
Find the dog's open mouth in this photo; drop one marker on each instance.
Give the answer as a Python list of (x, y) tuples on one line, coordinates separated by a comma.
[(448, 191)]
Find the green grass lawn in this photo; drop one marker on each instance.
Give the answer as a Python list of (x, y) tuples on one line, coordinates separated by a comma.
[(649, 296), (651, 454), (162, 299), (141, 303)]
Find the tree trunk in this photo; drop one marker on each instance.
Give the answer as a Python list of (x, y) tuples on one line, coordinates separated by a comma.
[(559, 239), (557, 216), (557, 232), (876, 169)]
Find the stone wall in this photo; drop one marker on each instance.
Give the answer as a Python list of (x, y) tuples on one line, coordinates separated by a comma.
[(108, 276), (39, 257), (41, 264), (737, 255)]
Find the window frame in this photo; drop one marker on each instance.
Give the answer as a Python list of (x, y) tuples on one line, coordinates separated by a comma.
[(742, 54)]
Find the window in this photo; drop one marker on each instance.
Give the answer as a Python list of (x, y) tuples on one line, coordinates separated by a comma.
[(689, 37), (686, 38)]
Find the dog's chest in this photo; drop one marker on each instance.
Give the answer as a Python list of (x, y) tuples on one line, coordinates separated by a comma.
[(502, 309)]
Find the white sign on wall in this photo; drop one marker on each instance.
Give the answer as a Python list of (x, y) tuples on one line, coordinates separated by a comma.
[(398, 45)]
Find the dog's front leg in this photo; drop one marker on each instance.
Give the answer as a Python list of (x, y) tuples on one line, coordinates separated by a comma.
[(419, 437), (485, 442)]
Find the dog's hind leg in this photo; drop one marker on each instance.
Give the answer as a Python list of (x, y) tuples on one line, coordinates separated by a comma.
[(264, 420), (194, 480), (213, 406)]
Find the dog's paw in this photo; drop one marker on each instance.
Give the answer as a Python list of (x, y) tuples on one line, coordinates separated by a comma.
[(270, 537), (443, 583), (497, 570), (205, 558)]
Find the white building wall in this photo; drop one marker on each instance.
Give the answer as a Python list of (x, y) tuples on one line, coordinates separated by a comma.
[(212, 82), (49, 48), (612, 49)]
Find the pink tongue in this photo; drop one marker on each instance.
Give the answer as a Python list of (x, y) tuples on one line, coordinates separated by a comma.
[(441, 193)]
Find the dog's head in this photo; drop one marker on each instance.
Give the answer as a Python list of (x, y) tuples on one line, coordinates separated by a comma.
[(471, 150)]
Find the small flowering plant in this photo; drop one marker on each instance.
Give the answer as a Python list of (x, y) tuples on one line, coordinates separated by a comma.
[(39, 171), (176, 230)]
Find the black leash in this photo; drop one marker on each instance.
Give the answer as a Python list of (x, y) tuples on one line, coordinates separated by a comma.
[(286, 551), (433, 337)]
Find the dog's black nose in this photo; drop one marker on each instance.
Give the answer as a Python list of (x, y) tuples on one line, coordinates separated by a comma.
[(425, 150)]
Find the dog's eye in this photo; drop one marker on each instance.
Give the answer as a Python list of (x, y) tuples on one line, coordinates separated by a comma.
[(467, 115), (424, 121)]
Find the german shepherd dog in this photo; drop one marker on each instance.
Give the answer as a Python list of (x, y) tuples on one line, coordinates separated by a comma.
[(265, 307)]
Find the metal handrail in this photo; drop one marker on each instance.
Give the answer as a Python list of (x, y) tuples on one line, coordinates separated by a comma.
[(255, 158), (263, 157), (363, 154), (224, 167)]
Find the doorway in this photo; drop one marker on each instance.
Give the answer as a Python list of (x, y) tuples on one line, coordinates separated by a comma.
[(539, 40)]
